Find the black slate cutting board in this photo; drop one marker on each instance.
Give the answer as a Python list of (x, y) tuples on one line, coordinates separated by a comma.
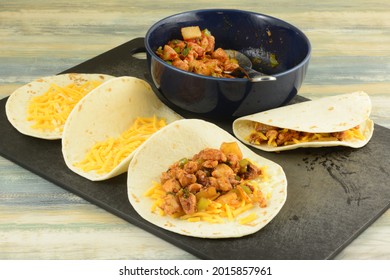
[(333, 193)]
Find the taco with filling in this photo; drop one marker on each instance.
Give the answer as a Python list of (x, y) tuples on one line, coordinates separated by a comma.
[(204, 182), (41, 107), (341, 120), (106, 127)]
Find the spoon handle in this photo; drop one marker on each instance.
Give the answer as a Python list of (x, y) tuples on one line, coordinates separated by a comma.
[(255, 76)]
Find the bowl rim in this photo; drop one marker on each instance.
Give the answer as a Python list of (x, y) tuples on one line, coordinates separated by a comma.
[(223, 10)]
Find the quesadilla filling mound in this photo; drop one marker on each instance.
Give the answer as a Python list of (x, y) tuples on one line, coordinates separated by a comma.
[(275, 136), (196, 53), (213, 185), (50, 110), (104, 156)]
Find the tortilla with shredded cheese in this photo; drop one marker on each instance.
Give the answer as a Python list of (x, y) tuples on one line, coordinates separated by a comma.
[(106, 127), (184, 138), (41, 107), (104, 156), (341, 120)]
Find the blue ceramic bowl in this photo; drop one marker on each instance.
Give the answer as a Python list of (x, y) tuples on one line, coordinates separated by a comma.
[(256, 35)]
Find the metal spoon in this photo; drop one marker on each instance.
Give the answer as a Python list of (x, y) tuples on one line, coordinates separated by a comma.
[(245, 68)]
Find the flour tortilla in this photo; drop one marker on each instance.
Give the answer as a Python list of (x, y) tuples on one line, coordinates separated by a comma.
[(18, 101), (185, 138), (106, 112), (326, 115)]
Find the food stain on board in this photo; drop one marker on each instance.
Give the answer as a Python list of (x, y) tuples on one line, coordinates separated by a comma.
[(336, 163)]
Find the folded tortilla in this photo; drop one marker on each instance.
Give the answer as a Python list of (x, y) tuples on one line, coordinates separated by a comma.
[(184, 138), (106, 112), (326, 115), (18, 102)]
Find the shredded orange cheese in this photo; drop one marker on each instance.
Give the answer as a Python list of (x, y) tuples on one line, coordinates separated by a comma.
[(104, 156), (246, 220), (216, 211), (354, 133), (50, 110)]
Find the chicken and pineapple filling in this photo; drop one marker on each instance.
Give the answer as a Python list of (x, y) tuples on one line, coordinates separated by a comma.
[(218, 175), (196, 53), (275, 136)]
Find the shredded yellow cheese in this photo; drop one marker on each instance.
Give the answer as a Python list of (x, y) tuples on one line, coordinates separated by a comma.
[(248, 219), (354, 133), (104, 156), (50, 110)]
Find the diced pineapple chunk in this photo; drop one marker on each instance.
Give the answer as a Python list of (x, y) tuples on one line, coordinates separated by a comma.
[(191, 32), (231, 148)]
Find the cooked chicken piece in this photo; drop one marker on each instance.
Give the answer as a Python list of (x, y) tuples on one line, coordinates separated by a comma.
[(196, 48), (208, 43), (339, 135), (224, 184), (263, 127), (191, 167), (201, 177), (230, 66), (169, 53), (284, 137), (164, 177), (188, 203), (214, 66), (222, 170), (220, 54), (252, 172), (272, 134), (210, 154), (181, 64), (185, 178), (177, 45), (234, 162), (171, 185), (194, 188), (198, 66), (212, 182), (171, 205), (228, 198), (210, 164)]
